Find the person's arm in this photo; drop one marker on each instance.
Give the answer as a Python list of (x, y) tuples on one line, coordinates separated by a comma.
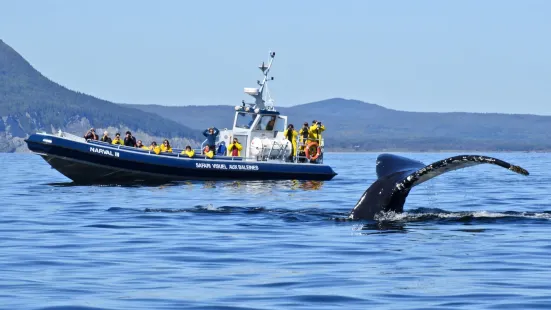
[(206, 133), (239, 146), (215, 131)]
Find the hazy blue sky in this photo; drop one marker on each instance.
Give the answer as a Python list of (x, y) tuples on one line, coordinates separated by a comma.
[(480, 56)]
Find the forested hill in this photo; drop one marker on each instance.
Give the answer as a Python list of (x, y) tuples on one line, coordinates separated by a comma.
[(353, 124), (29, 102)]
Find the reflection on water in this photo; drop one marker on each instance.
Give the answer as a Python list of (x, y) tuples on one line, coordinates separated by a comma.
[(253, 186), (473, 239)]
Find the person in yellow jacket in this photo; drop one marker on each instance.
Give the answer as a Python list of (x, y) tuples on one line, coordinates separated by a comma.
[(166, 147), (291, 134), (141, 146), (235, 148), (155, 148), (314, 133), (188, 152), (117, 139), (208, 152), (303, 133)]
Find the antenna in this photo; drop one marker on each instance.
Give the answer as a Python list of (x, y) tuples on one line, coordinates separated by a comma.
[(258, 93)]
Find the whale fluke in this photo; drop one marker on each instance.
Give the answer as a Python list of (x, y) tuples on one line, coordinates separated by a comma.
[(397, 175)]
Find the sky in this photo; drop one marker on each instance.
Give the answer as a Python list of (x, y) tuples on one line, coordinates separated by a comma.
[(438, 56)]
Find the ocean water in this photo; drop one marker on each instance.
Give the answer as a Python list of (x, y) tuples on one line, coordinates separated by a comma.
[(477, 238)]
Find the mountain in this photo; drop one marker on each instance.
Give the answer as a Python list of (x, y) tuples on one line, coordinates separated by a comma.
[(30, 102), (357, 125)]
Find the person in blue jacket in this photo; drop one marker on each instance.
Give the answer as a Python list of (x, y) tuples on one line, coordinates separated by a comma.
[(222, 149), (211, 134)]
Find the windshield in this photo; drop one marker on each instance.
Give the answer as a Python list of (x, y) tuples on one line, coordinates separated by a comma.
[(244, 120), (266, 123)]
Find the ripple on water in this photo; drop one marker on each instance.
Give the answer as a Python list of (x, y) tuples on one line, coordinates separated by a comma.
[(474, 238)]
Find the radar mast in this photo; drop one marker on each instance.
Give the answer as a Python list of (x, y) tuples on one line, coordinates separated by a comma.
[(263, 100)]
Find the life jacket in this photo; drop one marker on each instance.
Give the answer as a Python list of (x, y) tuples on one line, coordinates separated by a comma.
[(166, 149), (155, 149), (189, 153), (235, 149)]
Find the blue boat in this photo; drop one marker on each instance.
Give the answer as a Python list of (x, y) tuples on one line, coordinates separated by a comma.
[(266, 153)]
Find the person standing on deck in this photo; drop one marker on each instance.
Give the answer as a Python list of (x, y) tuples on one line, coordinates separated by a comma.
[(291, 134), (211, 134), (235, 148), (303, 134), (314, 133)]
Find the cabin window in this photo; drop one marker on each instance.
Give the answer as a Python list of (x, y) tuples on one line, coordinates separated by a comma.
[(280, 124), (244, 120), (268, 123)]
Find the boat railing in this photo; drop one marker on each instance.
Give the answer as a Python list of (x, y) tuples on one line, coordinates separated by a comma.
[(175, 152), (265, 155), (301, 148)]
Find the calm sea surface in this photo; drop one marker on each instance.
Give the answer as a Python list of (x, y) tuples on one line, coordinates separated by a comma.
[(478, 238)]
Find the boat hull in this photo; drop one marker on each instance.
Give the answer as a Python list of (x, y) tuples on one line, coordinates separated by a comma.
[(101, 163)]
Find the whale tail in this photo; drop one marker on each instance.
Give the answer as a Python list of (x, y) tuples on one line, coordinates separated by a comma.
[(453, 163), (397, 175)]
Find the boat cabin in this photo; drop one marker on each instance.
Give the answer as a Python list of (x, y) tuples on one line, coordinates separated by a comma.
[(258, 126)]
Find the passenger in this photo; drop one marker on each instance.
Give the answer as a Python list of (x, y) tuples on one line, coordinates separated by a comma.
[(188, 152), (222, 149), (91, 134), (303, 136), (117, 139), (155, 148), (291, 134), (314, 133), (211, 134), (271, 123), (106, 138), (208, 152), (129, 140), (303, 133), (166, 147), (235, 148), (141, 146)]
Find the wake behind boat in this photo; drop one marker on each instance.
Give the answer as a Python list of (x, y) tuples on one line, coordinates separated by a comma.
[(266, 153)]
